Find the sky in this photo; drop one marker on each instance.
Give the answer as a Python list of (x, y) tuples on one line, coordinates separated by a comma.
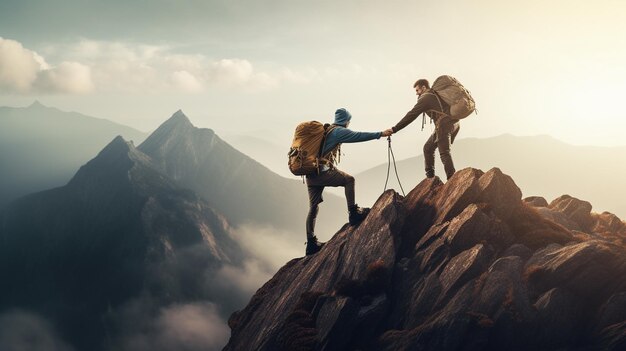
[(260, 67)]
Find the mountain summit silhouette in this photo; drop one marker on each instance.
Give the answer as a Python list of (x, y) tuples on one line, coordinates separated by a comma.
[(465, 265)]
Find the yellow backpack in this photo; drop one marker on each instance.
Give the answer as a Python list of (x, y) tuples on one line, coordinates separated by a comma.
[(305, 154)]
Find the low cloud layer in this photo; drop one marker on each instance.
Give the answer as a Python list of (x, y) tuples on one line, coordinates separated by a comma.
[(116, 67), (191, 327), (24, 331), (24, 71), (268, 250)]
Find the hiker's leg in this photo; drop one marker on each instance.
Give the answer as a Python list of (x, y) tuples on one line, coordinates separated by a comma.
[(429, 155), (315, 198), (350, 190), (335, 177), (444, 141)]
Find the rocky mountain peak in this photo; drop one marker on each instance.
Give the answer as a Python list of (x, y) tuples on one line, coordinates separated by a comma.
[(113, 162), (176, 133), (177, 121), (465, 265), (179, 117)]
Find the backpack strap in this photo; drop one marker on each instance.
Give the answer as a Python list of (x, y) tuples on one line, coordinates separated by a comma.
[(327, 129), (432, 92)]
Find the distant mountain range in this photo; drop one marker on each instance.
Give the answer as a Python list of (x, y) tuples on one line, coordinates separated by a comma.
[(539, 164), (42, 147), (119, 232)]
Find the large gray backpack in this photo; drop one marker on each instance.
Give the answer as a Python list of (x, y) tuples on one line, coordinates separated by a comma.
[(454, 95)]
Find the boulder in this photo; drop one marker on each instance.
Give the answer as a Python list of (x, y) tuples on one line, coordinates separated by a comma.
[(577, 210), (500, 192), (558, 217), (558, 319), (613, 311), (473, 226), (335, 320), (463, 267), (536, 201), (582, 268), (454, 196)]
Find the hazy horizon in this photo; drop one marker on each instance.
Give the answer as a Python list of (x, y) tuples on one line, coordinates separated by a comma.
[(533, 67)]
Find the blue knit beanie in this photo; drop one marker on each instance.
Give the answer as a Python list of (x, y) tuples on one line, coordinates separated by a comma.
[(342, 117)]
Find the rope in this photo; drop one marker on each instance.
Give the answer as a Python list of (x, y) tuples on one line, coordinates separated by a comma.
[(391, 156)]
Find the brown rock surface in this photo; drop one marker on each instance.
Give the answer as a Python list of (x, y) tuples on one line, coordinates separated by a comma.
[(473, 267)]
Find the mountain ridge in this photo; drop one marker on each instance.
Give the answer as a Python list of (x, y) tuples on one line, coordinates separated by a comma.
[(465, 265), (116, 244), (43, 147)]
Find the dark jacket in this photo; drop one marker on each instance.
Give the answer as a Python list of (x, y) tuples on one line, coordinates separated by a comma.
[(427, 103)]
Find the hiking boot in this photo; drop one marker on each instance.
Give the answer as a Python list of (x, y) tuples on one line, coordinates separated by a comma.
[(357, 214), (313, 246)]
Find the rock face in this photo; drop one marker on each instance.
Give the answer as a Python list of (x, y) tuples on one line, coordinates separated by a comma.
[(466, 265)]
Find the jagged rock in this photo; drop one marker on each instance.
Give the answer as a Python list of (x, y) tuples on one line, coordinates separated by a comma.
[(500, 191), (463, 267), (558, 217), (473, 226), (613, 311), (609, 227), (370, 318), (577, 210), (421, 210), (335, 320), (558, 318), (473, 268), (534, 231), (454, 196), (503, 289), (582, 268), (536, 201), (503, 297)]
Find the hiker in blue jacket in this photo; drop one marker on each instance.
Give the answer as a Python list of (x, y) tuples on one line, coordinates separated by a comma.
[(331, 176)]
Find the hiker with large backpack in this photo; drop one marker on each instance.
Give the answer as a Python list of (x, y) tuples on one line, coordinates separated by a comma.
[(445, 103), (314, 153)]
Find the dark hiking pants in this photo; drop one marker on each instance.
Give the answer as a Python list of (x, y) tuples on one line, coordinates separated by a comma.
[(316, 184), (441, 139)]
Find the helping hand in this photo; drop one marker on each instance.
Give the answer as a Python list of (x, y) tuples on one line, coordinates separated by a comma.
[(387, 132)]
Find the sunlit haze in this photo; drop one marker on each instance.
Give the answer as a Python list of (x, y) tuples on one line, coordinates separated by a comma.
[(244, 67)]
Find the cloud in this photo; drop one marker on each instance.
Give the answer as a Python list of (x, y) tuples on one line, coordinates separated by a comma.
[(67, 77), (268, 250), (118, 67), (191, 327), (140, 68), (24, 331), (186, 82), (24, 71)]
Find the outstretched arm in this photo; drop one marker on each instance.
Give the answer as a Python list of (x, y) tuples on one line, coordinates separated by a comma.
[(345, 135), (424, 103)]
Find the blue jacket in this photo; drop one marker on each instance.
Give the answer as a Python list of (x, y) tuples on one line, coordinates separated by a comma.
[(340, 134)]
